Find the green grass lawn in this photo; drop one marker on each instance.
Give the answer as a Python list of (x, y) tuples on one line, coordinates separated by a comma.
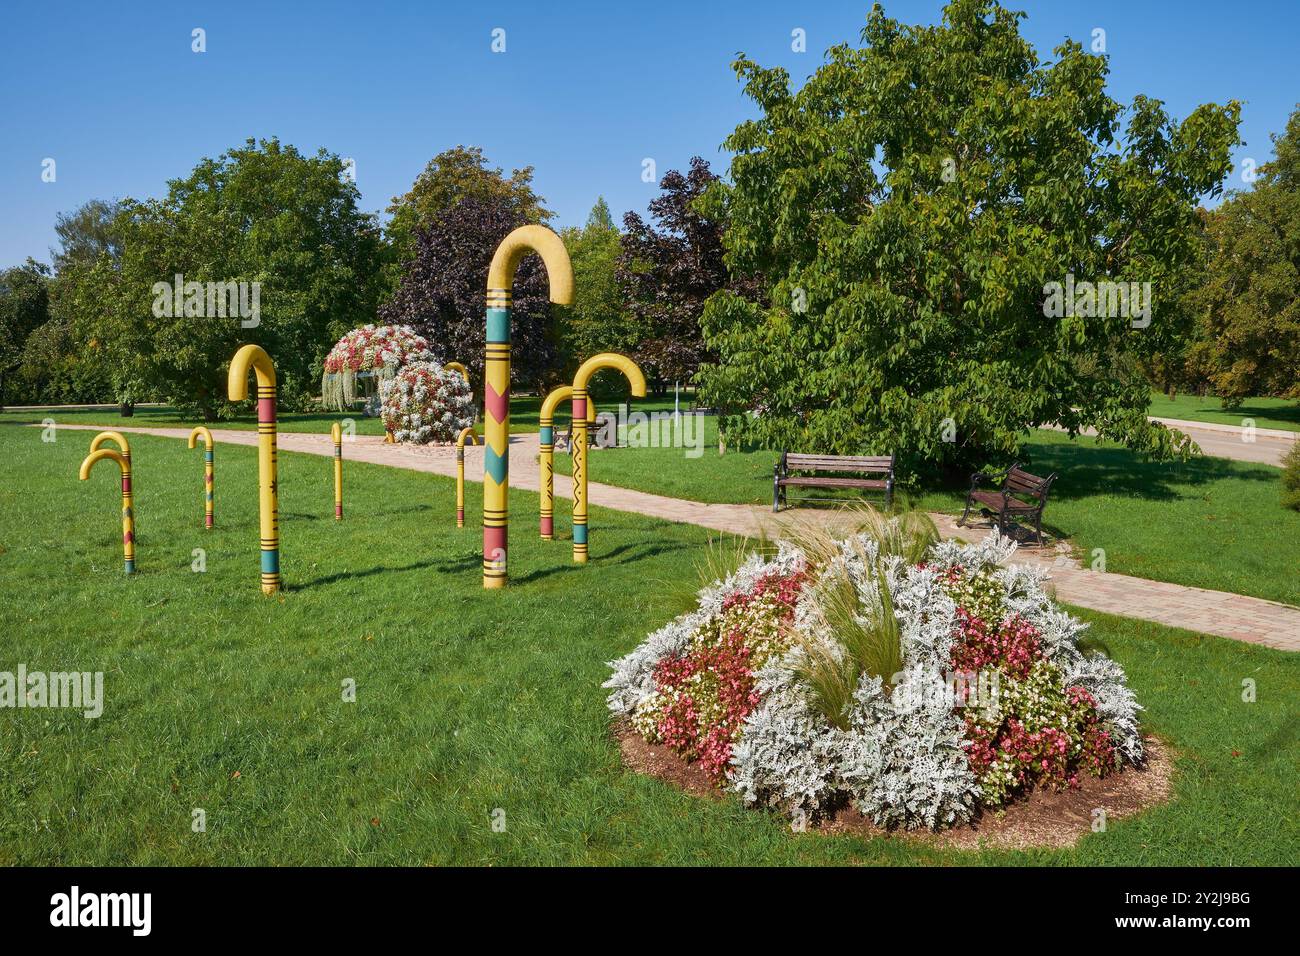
[(466, 701), (1267, 412), (524, 411)]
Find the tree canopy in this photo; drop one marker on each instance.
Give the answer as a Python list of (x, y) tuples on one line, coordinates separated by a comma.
[(909, 206), (262, 213), (668, 268), (461, 172), (598, 320), (442, 292), (1248, 306)]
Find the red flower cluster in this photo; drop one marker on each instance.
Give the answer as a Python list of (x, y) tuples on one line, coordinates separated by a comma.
[(707, 693), (1012, 647), (1039, 733)]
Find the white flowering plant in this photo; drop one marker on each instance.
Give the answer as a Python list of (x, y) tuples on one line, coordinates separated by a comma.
[(993, 697), (424, 402)]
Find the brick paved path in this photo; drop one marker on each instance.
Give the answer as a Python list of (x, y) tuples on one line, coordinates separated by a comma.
[(1208, 612)]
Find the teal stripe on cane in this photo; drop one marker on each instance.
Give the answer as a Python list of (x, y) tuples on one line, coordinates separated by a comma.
[(207, 456), (498, 466), (547, 436), (271, 562), (130, 567), (579, 533), (498, 325)]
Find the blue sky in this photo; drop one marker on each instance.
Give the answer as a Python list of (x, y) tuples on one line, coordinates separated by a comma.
[(584, 92)]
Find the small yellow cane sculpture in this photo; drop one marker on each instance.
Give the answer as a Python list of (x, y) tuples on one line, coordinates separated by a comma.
[(202, 432), (336, 433), (457, 367), (546, 453), (579, 439), (116, 438), (496, 380), (254, 357), (128, 507), (466, 434)]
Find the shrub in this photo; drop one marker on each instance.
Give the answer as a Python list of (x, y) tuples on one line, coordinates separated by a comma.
[(1291, 478)]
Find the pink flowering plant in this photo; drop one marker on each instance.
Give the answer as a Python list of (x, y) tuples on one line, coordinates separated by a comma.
[(374, 350)]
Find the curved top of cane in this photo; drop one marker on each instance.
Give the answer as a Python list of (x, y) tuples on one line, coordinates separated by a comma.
[(611, 360), (103, 454), (201, 431), (457, 367), (336, 433), (552, 401), (466, 433), (116, 437), (562, 393), (544, 242), (253, 356)]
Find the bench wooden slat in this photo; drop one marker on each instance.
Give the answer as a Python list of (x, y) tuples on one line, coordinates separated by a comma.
[(835, 482)]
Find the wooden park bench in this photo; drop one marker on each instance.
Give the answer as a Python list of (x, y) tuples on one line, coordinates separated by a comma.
[(860, 465), (1021, 497)]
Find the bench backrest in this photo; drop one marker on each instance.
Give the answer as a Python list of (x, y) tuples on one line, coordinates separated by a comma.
[(862, 463), (1020, 482)]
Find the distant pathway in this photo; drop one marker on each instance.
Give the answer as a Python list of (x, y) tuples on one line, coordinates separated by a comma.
[(1195, 609), (1267, 445)]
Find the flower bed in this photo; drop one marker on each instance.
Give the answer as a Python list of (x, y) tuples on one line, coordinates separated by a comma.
[(784, 702), (426, 403)]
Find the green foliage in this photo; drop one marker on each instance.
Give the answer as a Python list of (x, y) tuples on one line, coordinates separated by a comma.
[(455, 174), (909, 203), (1291, 478), (261, 213), (24, 308), (1249, 304), (598, 320)]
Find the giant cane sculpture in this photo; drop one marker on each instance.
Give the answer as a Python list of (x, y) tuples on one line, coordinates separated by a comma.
[(255, 357), (128, 508), (579, 440), (202, 432), (496, 381), (546, 452), (116, 438)]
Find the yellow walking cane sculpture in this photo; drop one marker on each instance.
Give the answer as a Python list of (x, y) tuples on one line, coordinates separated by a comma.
[(496, 380), (201, 431), (466, 434), (579, 439), (118, 439), (128, 508), (255, 357), (546, 453), (457, 367), (336, 433)]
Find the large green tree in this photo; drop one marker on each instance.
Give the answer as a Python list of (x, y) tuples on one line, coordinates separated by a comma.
[(262, 213), (598, 320), (24, 308), (461, 172), (910, 205), (1248, 307)]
